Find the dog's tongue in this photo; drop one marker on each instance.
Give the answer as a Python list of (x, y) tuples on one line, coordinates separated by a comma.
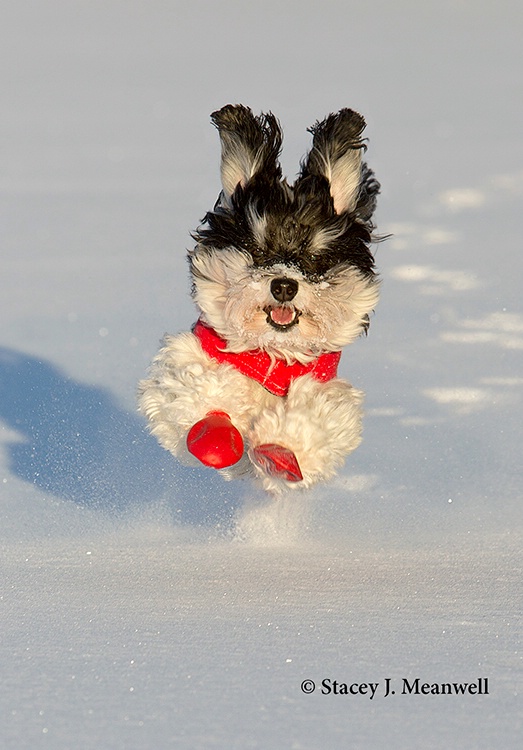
[(282, 316)]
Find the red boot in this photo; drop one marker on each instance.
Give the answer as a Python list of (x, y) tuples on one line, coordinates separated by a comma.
[(277, 461), (215, 441)]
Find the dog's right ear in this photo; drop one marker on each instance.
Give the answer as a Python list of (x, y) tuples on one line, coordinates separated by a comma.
[(250, 146)]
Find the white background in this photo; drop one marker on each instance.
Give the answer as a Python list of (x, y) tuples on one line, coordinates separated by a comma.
[(144, 605)]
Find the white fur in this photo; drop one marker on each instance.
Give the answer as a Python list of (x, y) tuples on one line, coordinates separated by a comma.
[(232, 295), (319, 422), (238, 163), (257, 225), (343, 174)]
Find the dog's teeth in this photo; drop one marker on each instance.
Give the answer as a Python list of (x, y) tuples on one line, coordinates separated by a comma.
[(282, 316)]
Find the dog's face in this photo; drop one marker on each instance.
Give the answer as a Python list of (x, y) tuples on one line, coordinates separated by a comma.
[(287, 268)]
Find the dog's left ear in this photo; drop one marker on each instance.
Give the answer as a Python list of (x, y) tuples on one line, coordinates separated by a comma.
[(336, 154), (250, 146)]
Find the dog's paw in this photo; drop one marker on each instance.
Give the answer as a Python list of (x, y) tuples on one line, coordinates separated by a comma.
[(215, 441), (277, 461)]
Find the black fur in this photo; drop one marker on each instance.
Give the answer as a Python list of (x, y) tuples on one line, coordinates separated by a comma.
[(294, 213)]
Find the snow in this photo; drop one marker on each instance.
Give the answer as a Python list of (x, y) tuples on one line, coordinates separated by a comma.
[(148, 605)]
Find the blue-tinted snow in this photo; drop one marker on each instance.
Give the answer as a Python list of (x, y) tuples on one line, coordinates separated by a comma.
[(145, 605)]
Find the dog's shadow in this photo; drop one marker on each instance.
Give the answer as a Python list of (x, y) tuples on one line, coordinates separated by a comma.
[(75, 442)]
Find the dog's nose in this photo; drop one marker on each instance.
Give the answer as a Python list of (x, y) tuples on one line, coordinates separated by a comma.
[(284, 290)]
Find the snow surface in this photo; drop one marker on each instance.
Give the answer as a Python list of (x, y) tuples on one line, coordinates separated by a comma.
[(144, 605)]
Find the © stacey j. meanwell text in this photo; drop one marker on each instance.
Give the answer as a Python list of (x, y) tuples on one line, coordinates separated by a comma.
[(389, 687)]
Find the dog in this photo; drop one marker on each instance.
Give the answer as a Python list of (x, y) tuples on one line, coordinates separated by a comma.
[(284, 278)]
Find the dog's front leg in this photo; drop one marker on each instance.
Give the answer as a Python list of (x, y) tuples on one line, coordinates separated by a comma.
[(319, 422), (195, 405)]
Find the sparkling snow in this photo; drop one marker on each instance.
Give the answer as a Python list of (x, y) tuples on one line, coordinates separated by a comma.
[(144, 605)]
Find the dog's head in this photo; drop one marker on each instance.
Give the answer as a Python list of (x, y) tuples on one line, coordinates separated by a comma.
[(285, 268)]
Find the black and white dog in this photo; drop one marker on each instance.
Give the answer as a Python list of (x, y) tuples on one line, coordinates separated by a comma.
[(284, 278)]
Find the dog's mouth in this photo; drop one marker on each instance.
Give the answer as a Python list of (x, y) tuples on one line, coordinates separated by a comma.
[(282, 318)]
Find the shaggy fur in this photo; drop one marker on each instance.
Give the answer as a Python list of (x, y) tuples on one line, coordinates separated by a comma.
[(286, 269)]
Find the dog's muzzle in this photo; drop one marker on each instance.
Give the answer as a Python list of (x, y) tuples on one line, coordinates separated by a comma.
[(283, 316)]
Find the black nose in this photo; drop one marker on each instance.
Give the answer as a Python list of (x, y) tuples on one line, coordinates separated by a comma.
[(284, 290)]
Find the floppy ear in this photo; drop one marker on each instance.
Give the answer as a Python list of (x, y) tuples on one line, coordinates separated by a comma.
[(250, 145), (336, 155)]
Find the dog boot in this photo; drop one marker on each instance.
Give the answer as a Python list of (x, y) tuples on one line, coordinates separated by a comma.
[(215, 441), (277, 461)]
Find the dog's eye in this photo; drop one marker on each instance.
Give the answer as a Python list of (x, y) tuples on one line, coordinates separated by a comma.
[(256, 254), (252, 249)]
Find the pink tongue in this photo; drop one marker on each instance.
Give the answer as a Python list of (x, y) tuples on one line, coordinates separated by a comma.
[(282, 316)]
